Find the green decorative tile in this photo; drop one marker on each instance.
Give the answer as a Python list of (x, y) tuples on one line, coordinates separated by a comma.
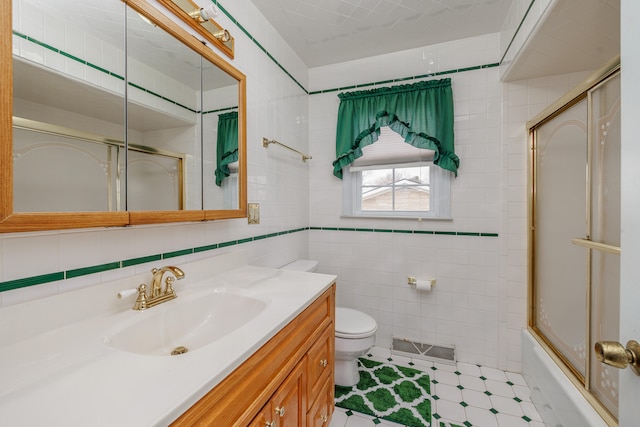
[(205, 248), (69, 274), (517, 399), (177, 253), (31, 281), (459, 387), (464, 404), (483, 378), (493, 411), (527, 419), (510, 383), (436, 416), (488, 393), (141, 260)]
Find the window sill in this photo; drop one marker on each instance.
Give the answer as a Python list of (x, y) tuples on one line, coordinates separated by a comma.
[(412, 218)]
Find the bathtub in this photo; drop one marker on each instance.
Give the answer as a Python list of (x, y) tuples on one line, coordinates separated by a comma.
[(557, 400)]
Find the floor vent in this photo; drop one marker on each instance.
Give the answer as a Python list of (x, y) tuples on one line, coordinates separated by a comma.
[(419, 350)]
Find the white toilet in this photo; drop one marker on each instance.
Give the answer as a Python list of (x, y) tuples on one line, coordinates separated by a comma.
[(355, 333)]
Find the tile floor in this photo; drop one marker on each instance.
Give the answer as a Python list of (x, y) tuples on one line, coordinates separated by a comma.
[(464, 394)]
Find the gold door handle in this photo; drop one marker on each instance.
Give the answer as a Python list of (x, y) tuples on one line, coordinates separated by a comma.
[(270, 424), (324, 418), (280, 411), (614, 354), (323, 362)]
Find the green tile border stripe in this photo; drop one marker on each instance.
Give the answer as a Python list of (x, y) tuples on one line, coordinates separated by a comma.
[(259, 45), (66, 54), (69, 274), (403, 79), (517, 31), (405, 231), (219, 110), (101, 69), (30, 281), (141, 260), (78, 272)]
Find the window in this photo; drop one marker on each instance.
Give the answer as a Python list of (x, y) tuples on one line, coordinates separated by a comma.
[(394, 179)]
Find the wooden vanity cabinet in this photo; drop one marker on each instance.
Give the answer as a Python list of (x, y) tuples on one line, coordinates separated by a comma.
[(293, 370)]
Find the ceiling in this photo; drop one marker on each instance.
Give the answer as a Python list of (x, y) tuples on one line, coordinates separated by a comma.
[(331, 31)]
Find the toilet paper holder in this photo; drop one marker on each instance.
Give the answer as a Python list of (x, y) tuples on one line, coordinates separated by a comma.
[(413, 280)]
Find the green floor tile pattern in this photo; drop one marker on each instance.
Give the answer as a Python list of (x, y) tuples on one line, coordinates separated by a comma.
[(389, 392), (384, 392)]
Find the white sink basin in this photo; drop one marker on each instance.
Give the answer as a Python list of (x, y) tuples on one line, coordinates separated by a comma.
[(190, 323)]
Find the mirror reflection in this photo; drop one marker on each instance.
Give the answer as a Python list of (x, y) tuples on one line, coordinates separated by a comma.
[(113, 113)]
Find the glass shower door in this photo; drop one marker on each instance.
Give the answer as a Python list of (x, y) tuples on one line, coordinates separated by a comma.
[(575, 274), (605, 229)]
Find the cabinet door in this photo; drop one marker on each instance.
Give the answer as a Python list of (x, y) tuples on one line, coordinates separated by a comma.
[(288, 403), (320, 412), (264, 418), (320, 362)]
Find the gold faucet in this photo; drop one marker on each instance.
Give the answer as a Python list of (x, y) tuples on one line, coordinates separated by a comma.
[(157, 295)]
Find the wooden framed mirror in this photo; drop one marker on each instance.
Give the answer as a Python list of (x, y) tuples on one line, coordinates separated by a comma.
[(112, 118)]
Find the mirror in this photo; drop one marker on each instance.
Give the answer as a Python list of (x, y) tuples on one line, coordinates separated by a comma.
[(119, 117)]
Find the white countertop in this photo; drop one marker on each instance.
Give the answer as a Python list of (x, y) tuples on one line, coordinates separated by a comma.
[(56, 368)]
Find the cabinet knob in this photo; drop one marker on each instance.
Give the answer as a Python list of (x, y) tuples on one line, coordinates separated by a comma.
[(323, 362), (270, 424), (324, 418), (280, 411)]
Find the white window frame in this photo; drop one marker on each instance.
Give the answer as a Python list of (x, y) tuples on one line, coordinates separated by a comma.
[(439, 193)]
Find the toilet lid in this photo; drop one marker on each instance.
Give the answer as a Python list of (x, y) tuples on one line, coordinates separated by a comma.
[(354, 324)]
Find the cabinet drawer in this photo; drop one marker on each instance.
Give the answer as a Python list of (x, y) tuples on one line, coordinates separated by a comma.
[(319, 414), (320, 362)]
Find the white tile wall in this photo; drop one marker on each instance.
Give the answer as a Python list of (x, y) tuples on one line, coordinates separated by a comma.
[(463, 309)]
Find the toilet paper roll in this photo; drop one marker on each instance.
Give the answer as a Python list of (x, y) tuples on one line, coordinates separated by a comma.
[(423, 285)]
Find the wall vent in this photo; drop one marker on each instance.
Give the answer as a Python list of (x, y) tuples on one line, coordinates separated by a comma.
[(420, 350)]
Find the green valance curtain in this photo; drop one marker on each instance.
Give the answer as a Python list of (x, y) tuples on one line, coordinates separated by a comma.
[(422, 113), (227, 145)]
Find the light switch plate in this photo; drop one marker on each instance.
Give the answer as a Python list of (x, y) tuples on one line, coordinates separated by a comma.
[(254, 213)]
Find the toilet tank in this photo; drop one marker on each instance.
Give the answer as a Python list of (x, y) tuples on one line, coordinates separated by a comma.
[(307, 265)]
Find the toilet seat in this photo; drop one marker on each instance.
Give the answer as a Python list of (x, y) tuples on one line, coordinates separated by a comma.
[(353, 324)]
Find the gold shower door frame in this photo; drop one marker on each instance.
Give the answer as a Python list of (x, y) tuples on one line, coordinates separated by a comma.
[(595, 251)]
